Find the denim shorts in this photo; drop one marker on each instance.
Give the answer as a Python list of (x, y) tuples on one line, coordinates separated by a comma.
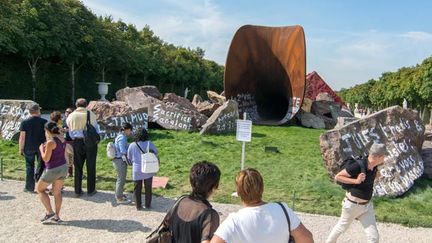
[(57, 173)]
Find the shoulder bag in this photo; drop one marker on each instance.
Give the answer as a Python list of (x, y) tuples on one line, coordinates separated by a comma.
[(162, 234), (291, 239)]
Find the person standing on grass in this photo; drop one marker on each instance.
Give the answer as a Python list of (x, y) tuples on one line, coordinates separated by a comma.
[(259, 221), (120, 162), (68, 139), (134, 155), (31, 136), (54, 153), (357, 202), (82, 153)]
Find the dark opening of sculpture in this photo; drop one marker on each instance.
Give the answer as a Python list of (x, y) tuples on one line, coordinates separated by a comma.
[(265, 72)]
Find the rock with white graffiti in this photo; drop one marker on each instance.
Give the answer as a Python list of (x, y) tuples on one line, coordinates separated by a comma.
[(170, 116), (401, 130), (12, 113), (223, 119), (106, 109), (111, 126)]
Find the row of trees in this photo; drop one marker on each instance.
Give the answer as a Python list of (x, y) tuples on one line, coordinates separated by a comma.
[(64, 45), (411, 83)]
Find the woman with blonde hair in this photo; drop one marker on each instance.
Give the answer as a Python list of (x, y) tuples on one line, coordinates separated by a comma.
[(54, 153), (259, 221)]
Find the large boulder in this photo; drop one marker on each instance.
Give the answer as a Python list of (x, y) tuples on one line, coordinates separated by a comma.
[(196, 100), (324, 96), (12, 113), (216, 98), (111, 126), (223, 119), (105, 109), (171, 116), (329, 111), (342, 121), (179, 101), (206, 108), (306, 105), (401, 130), (308, 119), (132, 95)]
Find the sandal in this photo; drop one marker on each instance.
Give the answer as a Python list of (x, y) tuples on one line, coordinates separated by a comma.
[(56, 220), (47, 216)]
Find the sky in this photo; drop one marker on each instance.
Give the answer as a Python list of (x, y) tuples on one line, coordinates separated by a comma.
[(348, 42)]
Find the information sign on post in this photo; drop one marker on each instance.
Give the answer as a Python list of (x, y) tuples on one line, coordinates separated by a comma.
[(244, 130)]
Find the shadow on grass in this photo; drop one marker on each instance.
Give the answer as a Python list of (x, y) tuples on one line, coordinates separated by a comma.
[(156, 136), (118, 226), (258, 135), (420, 186)]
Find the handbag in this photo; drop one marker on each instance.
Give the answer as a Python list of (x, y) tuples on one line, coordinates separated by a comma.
[(291, 239), (162, 234), (91, 136), (149, 161)]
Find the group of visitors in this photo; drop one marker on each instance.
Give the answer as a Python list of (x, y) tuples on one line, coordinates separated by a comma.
[(56, 143), (125, 155)]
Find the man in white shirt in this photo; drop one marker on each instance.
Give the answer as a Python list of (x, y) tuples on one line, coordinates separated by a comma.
[(76, 122)]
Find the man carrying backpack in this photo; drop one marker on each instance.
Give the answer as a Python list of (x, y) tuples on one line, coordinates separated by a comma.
[(85, 149), (359, 188)]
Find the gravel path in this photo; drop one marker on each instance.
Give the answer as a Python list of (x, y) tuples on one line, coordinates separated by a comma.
[(100, 219)]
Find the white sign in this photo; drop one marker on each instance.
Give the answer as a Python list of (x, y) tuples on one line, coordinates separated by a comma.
[(244, 130)]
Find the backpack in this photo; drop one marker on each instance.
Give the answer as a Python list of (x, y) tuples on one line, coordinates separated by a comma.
[(91, 136), (360, 160), (111, 152), (149, 161)]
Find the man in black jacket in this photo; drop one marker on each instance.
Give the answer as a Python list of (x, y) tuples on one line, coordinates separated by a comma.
[(32, 135), (357, 202)]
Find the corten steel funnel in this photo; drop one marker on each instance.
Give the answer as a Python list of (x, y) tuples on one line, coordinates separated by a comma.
[(265, 72)]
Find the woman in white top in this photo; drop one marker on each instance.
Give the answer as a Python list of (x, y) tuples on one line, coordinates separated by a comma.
[(259, 221)]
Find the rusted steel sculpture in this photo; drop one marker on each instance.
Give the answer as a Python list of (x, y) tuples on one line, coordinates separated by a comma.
[(265, 72)]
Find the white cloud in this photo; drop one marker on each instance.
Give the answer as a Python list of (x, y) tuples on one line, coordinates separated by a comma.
[(418, 35), (346, 59), (188, 23)]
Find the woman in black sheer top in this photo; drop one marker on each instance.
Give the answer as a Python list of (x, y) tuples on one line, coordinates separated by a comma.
[(194, 219)]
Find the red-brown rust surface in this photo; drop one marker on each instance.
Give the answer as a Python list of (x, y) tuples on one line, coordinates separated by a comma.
[(265, 72)]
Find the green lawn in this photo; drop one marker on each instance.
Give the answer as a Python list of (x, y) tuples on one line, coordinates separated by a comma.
[(295, 175)]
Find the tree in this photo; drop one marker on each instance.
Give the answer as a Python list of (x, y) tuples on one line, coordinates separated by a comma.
[(44, 30)]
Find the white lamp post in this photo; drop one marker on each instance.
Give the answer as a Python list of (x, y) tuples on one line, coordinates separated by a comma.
[(103, 89)]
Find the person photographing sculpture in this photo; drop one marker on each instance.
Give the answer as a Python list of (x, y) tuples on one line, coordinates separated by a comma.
[(55, 155), (359, 176)]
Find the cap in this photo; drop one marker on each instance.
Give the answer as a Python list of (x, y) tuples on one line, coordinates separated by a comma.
[(378, 149), (34, 107)]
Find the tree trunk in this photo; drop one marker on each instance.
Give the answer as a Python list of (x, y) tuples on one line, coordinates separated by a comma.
[(103, 74), (73, 82), (126, 76), (33, 69)]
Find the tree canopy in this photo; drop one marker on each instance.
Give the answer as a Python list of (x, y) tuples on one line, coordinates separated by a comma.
[(60, 48), (411, 83)]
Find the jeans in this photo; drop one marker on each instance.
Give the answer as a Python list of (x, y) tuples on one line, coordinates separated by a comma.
[(83, 154), (148, 192), (32, 172), (121, 170), (350, 211)]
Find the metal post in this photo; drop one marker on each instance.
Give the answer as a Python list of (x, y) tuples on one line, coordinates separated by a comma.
[(243, 146), (293, 199), (1, 169)]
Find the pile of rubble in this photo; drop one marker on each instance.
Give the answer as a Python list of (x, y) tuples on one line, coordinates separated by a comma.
[(170, 111)]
